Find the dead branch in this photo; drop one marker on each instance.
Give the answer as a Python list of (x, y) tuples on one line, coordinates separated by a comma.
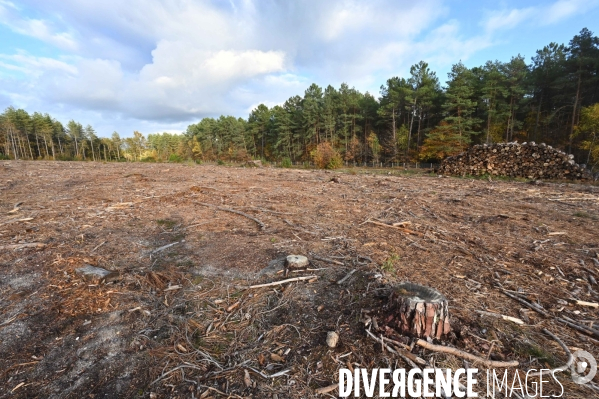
[(466, 355), (98, 246), (220, 208), (328, 260), (275, 375), (347, 276), (565, 348), (380, 341), (268, 210), (530, 305), (569, 322), (289, 280), (578, 327), (501, 316), (402, 229), (328, 389), (38, 245), (162, 248)]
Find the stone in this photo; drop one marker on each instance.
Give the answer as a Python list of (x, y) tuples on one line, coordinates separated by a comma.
[(332, 339), (97, 274), (296, 262)]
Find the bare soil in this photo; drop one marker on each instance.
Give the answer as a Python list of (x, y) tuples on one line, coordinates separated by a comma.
[(178, 323)]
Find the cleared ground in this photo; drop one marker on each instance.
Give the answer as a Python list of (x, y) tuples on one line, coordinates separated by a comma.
[(176, 323)]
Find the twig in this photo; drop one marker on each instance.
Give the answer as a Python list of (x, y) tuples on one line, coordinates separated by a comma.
[(222, 393), (404, 230), (401, 351), (328, 260), (328, 389), (289, 280), (162, 248), (565, 348), (530, 305), (265, 376), (347, 276), (268, 210), (189, 366), (466, 355), (9, 320), (98, 246), (501, 316), (39, 245), (380, 341), (583, 329), (220, 208)]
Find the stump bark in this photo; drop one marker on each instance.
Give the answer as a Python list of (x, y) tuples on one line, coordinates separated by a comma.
[(418, 311)]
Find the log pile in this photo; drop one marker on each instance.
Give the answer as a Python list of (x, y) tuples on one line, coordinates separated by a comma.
[(528, 160)]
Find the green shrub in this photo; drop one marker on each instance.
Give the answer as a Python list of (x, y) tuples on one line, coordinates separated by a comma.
[(286, 162), (148, 159), (4, 157), (175, 158)]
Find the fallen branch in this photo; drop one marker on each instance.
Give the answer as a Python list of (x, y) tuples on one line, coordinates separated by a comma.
[(39, 245), (275, 375), (501, 316), (402, 229), (583, 329), (328, 260), (289, 280), (569, 322), (268, 210), (328, 389), (220, 208), (466, 355), (162, 248), (98, 246), (530, 305), (565, 348), (583, 303), (347, 276)]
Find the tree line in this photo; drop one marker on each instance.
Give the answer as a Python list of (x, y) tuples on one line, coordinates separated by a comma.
[(551, 99)]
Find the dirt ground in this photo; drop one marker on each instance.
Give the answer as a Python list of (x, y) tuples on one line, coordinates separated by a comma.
[(177, 322)]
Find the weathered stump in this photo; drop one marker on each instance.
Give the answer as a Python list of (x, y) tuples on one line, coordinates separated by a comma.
[(418, 311)]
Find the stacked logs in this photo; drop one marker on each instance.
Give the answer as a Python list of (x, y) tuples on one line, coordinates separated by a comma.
[(528, 160)]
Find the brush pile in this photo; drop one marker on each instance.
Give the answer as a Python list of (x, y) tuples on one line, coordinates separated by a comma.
[(528, 160)]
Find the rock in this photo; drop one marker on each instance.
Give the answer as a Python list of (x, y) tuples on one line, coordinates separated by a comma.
[(332, 339), (296, 262), (97, 274)]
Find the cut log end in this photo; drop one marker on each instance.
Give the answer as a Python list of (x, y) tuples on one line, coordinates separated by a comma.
[(418, 311)]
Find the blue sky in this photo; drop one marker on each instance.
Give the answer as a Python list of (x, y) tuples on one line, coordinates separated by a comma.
[(158, 66)]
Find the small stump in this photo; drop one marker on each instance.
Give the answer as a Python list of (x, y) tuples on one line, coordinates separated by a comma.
[(418, 311)]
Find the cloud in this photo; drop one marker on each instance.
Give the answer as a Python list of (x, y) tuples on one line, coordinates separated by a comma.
[(167, 62), (36, 28), (546, 14)]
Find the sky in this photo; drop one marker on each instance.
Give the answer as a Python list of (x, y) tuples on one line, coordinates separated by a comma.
[(160, 65)]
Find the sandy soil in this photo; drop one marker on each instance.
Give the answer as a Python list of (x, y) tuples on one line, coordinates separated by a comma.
[(176, 323)]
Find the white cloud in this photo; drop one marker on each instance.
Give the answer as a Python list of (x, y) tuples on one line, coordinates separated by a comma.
[(546, 14), (508, 19), (172, 61), (36, 28)]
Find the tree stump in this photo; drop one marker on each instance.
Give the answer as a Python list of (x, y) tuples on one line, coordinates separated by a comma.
[(418, 311)]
